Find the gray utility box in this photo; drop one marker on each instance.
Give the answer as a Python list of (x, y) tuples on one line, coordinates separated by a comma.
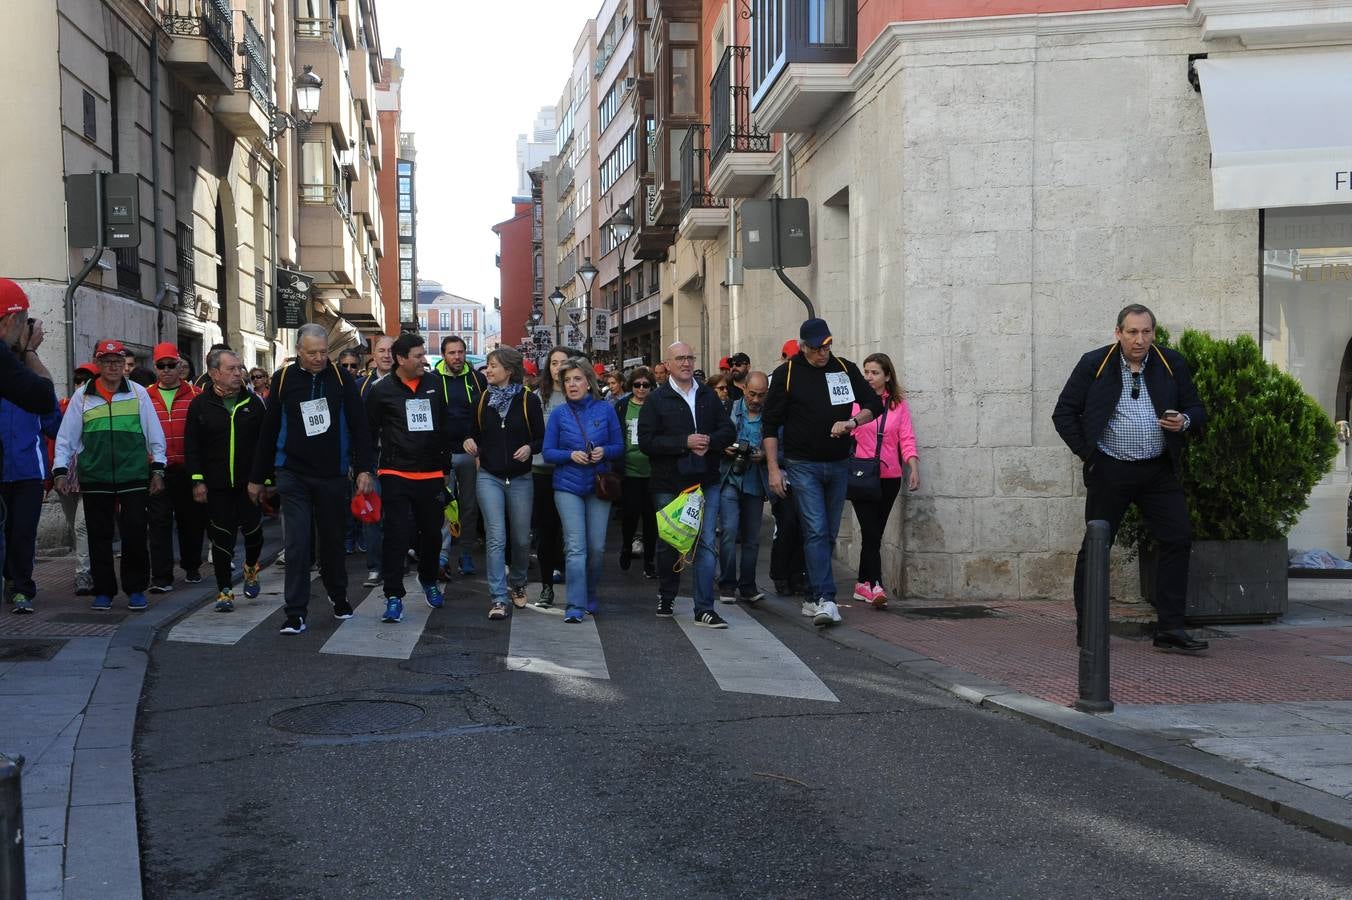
[(1229, 582)]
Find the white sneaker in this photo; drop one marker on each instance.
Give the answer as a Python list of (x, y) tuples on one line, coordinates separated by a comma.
[(809, 608), (727, 598), (373, 579), (827, 614), (636, 548)]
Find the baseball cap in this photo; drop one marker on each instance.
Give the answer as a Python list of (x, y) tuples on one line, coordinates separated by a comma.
[(815, 333), (790, 348), (165, 351), (366, 508), (739, 359), (109, 348), (599, 369), (12, 297), (530, 367), (724, 365)]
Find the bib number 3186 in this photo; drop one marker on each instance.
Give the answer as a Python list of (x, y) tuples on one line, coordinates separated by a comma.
[(315, 415), (418, 414), (838, 388)]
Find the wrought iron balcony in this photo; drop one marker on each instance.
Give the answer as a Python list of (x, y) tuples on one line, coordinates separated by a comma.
[(695, 172), (730, 127), (254, 64), (202, 50)]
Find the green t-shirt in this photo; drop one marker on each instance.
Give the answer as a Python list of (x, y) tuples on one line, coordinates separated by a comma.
[(167, 394), (636, 464)]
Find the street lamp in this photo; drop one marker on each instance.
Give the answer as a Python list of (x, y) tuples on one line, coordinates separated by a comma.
[(587, 272), (622, 226), (556, 299), (307, 85)]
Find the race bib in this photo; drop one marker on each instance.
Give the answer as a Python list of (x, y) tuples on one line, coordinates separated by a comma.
[(633, 432), (838, 388), (418, 414), (315, 415), (690, 513)]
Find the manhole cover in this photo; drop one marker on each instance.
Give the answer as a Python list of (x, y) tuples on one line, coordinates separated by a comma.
[(947, 612), (462, 633), (347, 717), (456, 664), (28, 651), (88, 618)]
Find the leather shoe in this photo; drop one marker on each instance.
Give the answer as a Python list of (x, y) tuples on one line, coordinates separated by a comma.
[(1178, 641)]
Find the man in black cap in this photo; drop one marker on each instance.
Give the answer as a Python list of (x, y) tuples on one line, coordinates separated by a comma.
[(811, 398), (739, 364)]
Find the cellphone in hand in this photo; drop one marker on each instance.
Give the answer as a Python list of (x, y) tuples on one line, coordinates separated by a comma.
[(1171, 413)]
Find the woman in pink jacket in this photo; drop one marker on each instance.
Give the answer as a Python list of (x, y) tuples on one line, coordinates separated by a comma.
[(898, 454)]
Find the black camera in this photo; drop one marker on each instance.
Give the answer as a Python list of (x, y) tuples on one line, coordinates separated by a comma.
[(742, 458)]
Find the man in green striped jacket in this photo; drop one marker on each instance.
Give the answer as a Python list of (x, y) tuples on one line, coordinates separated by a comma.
[(113, 428)]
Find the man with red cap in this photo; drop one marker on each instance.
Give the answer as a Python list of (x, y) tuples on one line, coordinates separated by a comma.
[(171, 396), (112, 426)]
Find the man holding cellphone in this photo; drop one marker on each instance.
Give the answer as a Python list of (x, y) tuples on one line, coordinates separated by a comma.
[(1125, 411)]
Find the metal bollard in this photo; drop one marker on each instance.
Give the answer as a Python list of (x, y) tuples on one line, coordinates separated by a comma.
[(1094, 696), (11, 829)]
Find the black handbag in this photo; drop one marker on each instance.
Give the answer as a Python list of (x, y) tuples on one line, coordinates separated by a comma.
[(865, 481)]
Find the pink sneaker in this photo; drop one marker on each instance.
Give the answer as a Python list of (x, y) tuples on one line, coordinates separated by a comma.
[(863, 592), (879, 598)]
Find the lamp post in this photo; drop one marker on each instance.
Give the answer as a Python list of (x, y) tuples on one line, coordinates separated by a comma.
[(536, 316), (622, 226), (556, 300), (587, 272), (307, 85)]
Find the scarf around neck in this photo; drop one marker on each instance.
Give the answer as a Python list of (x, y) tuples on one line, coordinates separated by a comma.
[(500, 398)]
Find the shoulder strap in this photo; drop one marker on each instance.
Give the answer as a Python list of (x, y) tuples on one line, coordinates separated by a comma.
[(479, 410), (282, 380), (882, 425), (524, 414), (788, 380)]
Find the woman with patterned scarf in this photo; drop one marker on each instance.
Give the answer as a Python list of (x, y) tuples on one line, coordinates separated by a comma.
[(508, 427)]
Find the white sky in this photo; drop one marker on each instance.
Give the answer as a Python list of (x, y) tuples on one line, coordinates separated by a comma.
[(475, 76)]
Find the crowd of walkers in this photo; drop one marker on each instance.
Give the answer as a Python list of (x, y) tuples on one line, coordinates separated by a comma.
[(407, 462)]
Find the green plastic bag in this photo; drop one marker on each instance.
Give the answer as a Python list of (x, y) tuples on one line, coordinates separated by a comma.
[(678, 522), (452, 513)]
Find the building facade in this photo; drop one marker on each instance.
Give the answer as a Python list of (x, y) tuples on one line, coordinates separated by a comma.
[(398, 202), (519, 255), (442, 314)]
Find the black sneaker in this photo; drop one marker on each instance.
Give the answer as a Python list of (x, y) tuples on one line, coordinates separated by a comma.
[(649, 570), (341, 609), (546, 600), (710, 619), (193, 576), (664, 606), (755, 596), (625, 559), (294, 625), (162, 588)]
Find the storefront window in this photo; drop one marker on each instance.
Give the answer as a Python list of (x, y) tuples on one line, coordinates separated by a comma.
[(1307, 331)]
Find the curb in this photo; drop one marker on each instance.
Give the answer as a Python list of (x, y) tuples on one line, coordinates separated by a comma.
[(1291, 802)]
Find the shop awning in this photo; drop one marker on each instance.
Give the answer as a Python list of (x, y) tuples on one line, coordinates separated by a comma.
[(1281, 128)]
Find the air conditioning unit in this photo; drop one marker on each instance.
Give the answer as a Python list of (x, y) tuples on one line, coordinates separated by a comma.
[(629, 83)]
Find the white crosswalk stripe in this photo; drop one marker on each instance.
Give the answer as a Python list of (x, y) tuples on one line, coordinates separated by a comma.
[(543, 644), (206, 626), (746, 658), (365, 635)]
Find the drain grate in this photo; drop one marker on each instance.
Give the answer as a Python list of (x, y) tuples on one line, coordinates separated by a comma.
[(947, 612), (347, 717), (88, 618), (28, 651), (457, 664)]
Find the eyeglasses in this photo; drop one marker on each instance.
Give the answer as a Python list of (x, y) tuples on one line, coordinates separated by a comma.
[(642, 384), (258, 377), (683, 359), (165, 366), (111, 360), (352, 367), (1136, 385)]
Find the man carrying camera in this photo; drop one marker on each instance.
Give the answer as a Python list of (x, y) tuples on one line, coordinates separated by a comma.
[(742, 496), (27, 412)]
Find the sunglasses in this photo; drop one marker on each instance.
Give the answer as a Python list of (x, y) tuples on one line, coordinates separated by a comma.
[(259, 377), (642, 384), (162, 366), (352, 366), (1136, 385)]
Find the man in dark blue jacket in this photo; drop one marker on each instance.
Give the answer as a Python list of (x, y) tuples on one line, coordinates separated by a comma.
[(683, 429), (461, 387), (314, 432), (27, 387), (1124, 411)]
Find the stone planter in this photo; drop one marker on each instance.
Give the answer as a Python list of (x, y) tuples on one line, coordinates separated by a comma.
[(1229, 582)]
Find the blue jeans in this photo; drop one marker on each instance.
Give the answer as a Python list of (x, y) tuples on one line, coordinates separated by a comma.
[(373, 533), (819, 490), (706, 553), (584, 520), (740, 517), (505, 504)]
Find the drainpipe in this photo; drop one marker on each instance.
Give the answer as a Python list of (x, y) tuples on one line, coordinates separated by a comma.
[(785, 167), (161, 285)]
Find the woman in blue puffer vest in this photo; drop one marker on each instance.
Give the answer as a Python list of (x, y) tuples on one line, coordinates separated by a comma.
[(580, 436)]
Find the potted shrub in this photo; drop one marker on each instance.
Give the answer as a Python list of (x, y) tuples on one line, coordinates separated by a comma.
[(1247, 474)]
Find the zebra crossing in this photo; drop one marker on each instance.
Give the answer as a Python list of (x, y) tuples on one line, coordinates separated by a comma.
[(745, 658)]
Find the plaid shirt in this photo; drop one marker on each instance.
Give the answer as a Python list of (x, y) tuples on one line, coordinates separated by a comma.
[(1133, 433)]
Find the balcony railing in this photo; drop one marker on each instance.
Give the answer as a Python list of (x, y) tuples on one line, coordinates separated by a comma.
[(799, 31), (252, 71), (208, 19), (537, 233), (308, 29), (568, 267), (695, 171), (730, 126), (566, 224), (565, 181)]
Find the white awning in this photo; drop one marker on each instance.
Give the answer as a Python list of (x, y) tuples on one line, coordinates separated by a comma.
[(1281, 128)]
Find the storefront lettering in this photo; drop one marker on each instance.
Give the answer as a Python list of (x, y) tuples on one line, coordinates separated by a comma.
[(1325, 272)]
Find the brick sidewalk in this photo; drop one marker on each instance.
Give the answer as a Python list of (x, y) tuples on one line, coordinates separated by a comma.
[(1030, 647), (62, 614)]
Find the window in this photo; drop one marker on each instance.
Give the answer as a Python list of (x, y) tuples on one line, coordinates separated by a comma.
[(610, 105), (406, 224), (682, 80), (405, 268), (406, 291), (405, 251), (405, 168), (620, 159), (467, 319), (422, 323), (405, 203), (405, 184), (313, 171), (444, 320)]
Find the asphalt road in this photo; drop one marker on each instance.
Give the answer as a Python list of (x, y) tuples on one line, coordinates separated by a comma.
[(654, 783)]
